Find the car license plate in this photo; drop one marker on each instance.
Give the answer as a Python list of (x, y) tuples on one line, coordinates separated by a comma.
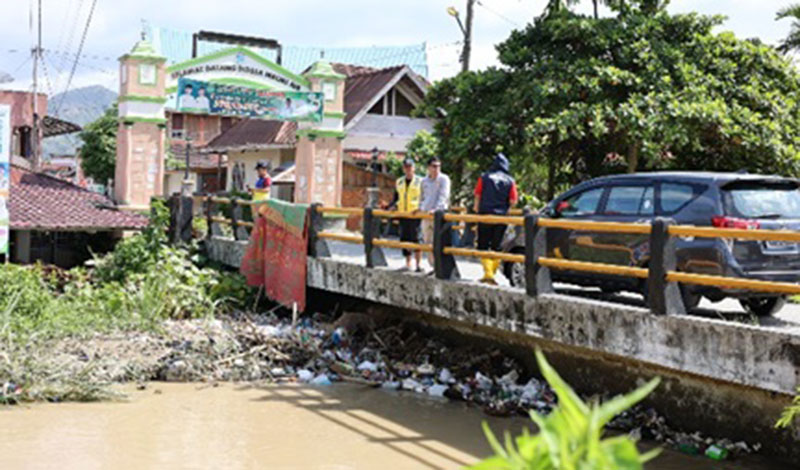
[(780, 246)]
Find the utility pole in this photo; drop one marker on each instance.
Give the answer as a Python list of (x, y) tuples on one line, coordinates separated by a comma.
[(466, 31), (37, 54), (467, 37)]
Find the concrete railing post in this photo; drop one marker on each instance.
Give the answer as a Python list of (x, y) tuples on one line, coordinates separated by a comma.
[(317, 247), (213, 228), (537, 277), (237, 214), (444, 266), (180, 219), (373, 254), (664, 298)]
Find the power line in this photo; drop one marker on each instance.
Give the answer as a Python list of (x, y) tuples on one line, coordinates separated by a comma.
[(498, 14), (80, 49)]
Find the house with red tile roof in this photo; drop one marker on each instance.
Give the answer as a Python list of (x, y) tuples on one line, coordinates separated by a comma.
[(57, 222)]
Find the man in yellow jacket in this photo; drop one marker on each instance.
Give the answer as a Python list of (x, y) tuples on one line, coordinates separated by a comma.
[(408, 189)]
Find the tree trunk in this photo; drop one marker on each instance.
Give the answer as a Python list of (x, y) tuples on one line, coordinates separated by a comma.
[(633, 157), (596, 15), (551, 174)]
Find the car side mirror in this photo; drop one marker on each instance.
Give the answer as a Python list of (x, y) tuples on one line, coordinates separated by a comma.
[(560, 208)]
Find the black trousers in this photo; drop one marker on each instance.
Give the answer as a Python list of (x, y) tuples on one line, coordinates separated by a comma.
[(410, 232), (490, 236)]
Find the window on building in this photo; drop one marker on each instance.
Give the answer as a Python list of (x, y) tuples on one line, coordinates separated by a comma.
[(24, 141), (402, 106), (147, 74), (329, 90), (177, 126)]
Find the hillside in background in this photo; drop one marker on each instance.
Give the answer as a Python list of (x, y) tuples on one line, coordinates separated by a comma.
[(81, 106)]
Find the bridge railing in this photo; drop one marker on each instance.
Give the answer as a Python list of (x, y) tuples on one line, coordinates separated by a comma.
[(660, 276)]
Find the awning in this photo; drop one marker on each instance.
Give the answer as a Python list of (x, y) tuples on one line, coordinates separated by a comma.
[(52, 126)]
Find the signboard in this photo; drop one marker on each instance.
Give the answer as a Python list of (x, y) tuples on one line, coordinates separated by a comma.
[(5, 174), (195, 96)]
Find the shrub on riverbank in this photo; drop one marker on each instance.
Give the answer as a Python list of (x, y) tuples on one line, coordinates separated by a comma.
[(139, 284)]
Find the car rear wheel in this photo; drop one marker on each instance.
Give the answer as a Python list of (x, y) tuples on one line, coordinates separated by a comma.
[(515, 272), (690, 299), (763, 306)]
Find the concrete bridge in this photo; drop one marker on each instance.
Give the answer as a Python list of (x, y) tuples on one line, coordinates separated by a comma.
[(718, 374)]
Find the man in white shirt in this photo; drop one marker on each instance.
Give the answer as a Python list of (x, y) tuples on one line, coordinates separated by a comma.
[(435, 196), (186, 100), (202, 100)]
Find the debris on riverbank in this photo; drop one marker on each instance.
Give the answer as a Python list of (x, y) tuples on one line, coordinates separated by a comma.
[(356, 348)]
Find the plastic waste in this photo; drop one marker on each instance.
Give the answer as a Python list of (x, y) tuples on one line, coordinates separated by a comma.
[(426, 369), (321, 379), (368, 365), (413, 385), (715, 452), (510, 378), (445, 376), (437, 390), (483, 383), (391, 385), (304, 375)]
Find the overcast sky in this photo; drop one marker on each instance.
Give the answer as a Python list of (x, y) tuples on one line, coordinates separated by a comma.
[(116, 24)]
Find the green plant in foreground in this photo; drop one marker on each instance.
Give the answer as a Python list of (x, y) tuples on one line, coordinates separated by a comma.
[(790, 413), (571, 437)]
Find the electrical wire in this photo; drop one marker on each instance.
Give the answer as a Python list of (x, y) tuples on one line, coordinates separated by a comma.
[(498, 14), (80, 49)]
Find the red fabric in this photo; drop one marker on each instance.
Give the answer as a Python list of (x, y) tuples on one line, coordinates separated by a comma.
[(479, 187), (276, 256), (512, 194)]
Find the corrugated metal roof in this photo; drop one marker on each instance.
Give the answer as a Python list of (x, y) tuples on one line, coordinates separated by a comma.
[(176, 46)]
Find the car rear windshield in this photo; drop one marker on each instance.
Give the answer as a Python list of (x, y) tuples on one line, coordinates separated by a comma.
[(762, 200)]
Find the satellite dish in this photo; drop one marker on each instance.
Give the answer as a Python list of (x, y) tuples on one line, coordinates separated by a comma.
[(5, 77)]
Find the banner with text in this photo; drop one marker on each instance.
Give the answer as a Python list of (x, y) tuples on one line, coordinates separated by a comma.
[(5, 174), (195, 96)]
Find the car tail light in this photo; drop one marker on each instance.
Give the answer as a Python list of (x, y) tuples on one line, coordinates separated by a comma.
[(720, 221)]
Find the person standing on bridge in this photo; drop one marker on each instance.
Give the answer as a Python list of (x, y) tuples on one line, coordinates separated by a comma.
[(408, 189), (435, 196), (495, 193)]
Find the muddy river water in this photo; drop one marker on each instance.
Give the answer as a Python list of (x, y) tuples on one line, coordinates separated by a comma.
[(189, 426)]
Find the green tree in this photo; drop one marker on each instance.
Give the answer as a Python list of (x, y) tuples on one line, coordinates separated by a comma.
[(99, 150), (645, 90), (792, 41)]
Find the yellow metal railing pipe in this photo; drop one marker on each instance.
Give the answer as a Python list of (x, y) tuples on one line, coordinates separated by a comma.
[(402, 245), (563, 264), (734, 283), (340, 210), (468, 252), (712, 232), (402, 215), (341, 237), (612, 227), (222, 220), (484, 219)]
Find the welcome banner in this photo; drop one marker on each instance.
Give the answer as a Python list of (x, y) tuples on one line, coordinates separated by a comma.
[(196, 96), (5, 174)]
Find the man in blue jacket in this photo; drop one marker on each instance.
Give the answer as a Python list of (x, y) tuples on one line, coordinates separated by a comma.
[(495, 193)]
